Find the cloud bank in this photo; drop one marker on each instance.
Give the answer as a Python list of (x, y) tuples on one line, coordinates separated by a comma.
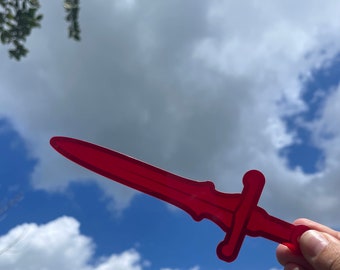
[(58, 245), (200, 89)]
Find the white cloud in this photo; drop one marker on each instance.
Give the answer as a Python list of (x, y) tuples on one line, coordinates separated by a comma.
[(192, 268), (196, 88), (58, 245)]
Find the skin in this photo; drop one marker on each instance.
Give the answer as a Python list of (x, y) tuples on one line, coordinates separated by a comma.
[(320, 248)]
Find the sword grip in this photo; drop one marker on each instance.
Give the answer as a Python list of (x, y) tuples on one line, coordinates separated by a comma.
[(275, 229), (229, 248)]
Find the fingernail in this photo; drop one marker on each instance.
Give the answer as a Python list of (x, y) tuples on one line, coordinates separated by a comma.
[(292, 266), (312, 243), (296, 268)]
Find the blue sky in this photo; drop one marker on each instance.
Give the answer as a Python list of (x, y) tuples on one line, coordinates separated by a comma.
[(205, 90)]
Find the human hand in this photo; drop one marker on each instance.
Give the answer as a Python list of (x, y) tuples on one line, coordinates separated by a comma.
[(320, 248)]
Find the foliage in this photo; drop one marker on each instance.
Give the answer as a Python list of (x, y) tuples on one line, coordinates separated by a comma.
[(72, 10), (19, 17)]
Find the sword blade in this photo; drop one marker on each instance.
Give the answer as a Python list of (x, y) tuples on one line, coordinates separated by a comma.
[(199, 199)]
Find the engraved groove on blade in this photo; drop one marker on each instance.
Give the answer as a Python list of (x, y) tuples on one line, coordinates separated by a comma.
[(199, 199)]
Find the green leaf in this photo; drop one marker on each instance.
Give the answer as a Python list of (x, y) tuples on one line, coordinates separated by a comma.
[(9, 16), (2, 18), (31, 12), (34, 3), (5, 37), (39, 17)]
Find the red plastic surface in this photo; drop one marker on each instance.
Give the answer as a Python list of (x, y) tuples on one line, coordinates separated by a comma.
[(236, 214)]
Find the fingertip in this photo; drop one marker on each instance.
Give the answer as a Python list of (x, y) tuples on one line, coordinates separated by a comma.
[(290, 260), (302, 221), (293, 266), (321, 250), (283, 254), (313, 243), (317, 226)]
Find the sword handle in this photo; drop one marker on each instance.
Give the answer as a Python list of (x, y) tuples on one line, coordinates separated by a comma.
[(229, 248), (275, 229)]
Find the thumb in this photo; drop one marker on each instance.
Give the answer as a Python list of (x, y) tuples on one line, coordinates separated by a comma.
[(321, 250)]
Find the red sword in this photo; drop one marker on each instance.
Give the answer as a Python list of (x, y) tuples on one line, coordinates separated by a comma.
[(236, 214)]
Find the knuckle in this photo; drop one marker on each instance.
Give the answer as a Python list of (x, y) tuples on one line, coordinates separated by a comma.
[(335, 264)]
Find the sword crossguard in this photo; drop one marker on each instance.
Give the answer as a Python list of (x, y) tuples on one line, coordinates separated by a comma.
[(229, 248)]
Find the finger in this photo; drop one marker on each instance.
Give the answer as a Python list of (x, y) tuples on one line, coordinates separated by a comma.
[(317, 226), (321, 250), (293, 266), (286, 257)]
